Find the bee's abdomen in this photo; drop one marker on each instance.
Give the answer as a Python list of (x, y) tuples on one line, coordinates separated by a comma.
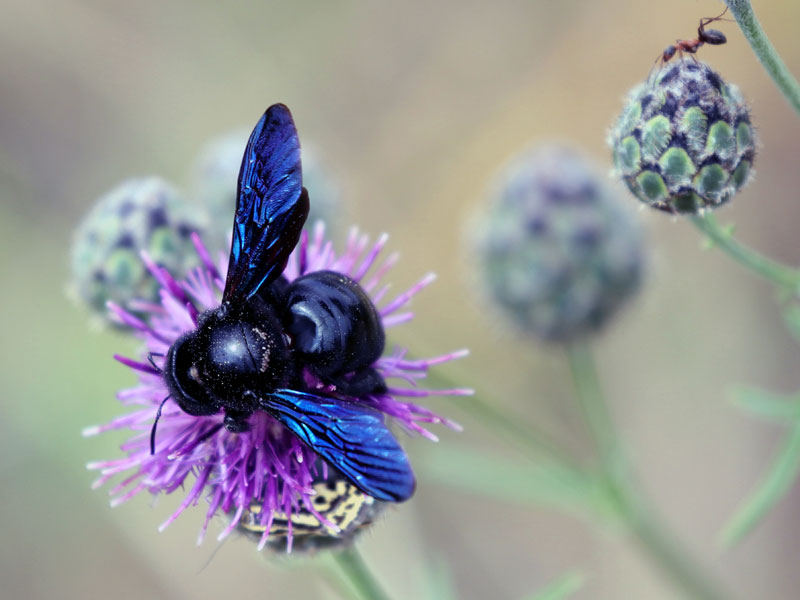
[(333, 323)]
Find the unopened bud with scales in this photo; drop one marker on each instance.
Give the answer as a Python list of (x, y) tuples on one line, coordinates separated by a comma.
[(684, 141)]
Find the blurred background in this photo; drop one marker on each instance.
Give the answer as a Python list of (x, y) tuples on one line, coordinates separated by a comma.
[(411, 107)]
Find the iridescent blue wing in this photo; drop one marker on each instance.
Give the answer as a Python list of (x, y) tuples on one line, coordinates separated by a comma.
[(354, 439), (271, 206)]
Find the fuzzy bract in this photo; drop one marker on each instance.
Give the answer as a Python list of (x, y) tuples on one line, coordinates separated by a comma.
[(139, 215), (684, 141)]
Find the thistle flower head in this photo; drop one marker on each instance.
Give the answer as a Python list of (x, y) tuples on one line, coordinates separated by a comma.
[(266, 480), (145, 214), (684, 141), (558, 253)]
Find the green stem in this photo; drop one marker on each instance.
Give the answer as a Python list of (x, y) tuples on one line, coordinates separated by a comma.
[(356, 570), (593, 407), (654, 539), (777, 482), (758, 263), (766, 53)]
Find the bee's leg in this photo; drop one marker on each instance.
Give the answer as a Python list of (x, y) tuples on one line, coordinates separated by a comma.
[(235, 421), (214, 429), (360, 383)]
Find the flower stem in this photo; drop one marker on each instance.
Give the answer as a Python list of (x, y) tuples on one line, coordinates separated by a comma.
[(758, 263), (356, 570), (654, 539), (764, 50), (595, 411)]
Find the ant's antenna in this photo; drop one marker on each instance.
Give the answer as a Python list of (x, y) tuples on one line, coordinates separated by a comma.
[(155, 423), (709, 20)]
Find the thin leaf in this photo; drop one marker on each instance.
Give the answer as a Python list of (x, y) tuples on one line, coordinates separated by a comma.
[(778, 480), (769, 405), (561, 588)]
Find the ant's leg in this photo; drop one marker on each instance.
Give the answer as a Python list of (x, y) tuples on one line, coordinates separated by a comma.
[(660, 58), (665, 57), (691, 53)]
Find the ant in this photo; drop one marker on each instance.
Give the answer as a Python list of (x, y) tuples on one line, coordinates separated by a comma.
[(704, 36)]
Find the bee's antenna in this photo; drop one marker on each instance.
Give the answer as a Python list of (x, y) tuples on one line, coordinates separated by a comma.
[(150, 356), (155, 423)]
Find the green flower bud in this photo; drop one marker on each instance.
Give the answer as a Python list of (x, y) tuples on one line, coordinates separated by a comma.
[(558, 252), (144, 214), (216, 174), (684, 141)]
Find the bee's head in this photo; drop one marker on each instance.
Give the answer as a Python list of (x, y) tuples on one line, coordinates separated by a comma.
[(183, 374)]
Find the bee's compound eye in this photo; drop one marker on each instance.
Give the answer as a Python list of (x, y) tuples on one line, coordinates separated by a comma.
[(184, 379)]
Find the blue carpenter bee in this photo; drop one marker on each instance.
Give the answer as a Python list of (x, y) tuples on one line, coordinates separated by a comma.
[(249, 353)]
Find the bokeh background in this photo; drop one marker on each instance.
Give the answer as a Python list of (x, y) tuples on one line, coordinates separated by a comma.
[(411, 106)]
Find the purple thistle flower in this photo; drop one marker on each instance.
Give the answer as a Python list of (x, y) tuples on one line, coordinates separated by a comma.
[(266, 467)]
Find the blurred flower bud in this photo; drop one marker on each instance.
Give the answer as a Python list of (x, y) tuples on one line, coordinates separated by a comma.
[(559, 253), (144, 214), (684, 141)]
